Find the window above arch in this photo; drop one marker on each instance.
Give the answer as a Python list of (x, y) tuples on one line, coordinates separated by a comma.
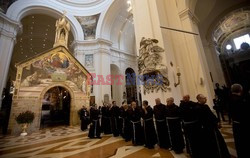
[(232, 31), (242, 39)]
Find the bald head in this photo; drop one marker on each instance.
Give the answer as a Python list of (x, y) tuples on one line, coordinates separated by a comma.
[(186, 98), (201, 98), (158, 101), (170, 101)]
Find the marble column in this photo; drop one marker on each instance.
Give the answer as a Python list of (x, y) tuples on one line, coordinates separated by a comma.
[(147, 24), (8, 32)]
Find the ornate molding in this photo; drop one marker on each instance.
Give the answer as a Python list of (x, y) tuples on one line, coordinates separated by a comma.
[(9, 27), (91, 45), (151, 68), (186, 13)]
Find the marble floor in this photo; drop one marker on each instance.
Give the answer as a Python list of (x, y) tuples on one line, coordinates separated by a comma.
[(71, 142)]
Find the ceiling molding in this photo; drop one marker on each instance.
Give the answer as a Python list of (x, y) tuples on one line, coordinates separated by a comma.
[(187, 13)]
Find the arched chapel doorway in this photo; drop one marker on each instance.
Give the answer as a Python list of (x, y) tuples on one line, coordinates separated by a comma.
[(131, 85), (55, 107)]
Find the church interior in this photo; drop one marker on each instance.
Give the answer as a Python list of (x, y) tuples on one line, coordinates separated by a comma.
[(124, 78)]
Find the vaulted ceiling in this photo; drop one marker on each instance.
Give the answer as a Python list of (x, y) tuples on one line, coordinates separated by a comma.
[(210, 12)]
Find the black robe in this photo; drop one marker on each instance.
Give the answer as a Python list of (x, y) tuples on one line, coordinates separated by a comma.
[(106, 120), (95, 129), (192, 128), (239, 110), (161, 126), (84, 116), (125, 124), (115, 112), (174, 126), (149, 128), (120, 121), (137, 132), (215, 145)]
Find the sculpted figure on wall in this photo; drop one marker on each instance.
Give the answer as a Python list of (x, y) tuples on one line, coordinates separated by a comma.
[(151, 67), (62, 32)]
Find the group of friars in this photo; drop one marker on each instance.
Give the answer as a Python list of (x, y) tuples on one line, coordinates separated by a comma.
[(191, 124)]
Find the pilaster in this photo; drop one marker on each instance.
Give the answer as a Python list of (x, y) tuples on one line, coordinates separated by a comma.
[(8, 32)]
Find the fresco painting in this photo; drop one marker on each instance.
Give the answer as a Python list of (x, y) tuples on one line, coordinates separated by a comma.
[(55, 67)]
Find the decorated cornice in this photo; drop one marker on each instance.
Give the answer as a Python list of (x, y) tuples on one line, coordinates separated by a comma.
[(122, 52), (187, 13), (90, 43), (95, 46), (9, 27)]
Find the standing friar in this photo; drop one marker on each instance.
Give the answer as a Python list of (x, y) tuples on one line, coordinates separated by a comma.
[(62, 31)]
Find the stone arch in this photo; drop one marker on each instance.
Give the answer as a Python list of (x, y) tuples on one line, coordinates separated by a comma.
[(107, 19), (131, 88), (116, 25), (221, 17), (72, 97), (18, 10)]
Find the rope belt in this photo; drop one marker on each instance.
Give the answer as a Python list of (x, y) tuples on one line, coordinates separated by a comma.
[(172, 118), (134, 128), (237, 122), (135, 122), (148, 119), (160, 120), (190, 122)]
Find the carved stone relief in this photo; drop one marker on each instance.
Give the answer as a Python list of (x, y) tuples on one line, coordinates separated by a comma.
[(151, 67)]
